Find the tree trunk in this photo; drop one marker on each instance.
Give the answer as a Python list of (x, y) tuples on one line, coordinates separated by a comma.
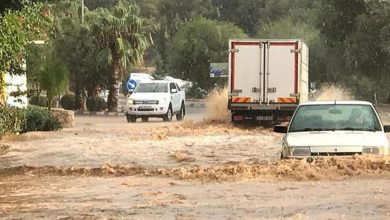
[(112, 101), (79, 97), (112, 98), (2, 90), (49, 100), (92, 91)]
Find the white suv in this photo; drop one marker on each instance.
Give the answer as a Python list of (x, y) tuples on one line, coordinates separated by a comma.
[(158, 98)]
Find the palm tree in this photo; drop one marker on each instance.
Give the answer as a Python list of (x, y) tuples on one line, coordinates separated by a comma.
[(123, 36)]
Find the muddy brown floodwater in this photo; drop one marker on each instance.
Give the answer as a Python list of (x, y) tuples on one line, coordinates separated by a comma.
[(105, 168)]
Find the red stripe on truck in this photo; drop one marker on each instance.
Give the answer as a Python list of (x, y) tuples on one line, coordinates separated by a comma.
[(295, 44), (232, 68), (233, 59), (296, 69)]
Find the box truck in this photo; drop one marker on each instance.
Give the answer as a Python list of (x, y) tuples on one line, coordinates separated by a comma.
[(267, 79)]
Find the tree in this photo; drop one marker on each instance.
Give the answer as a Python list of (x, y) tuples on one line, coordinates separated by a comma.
[(367, 51), (126, 35), (244, 13), (196, 45), (94, 4), (337, 19), (172, 15), (16, 5), (286, 28), (252, 15), (88, 71), (18, 29), (53, 77)]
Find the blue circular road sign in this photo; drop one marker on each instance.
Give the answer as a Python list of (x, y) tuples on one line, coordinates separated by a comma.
[(131, 84)]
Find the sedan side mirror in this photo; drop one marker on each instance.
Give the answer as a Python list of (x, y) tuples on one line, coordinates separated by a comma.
[(173, 90), (280, 129), (386, 128)]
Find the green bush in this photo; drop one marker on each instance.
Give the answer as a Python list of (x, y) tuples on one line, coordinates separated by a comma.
[(39, 101), (40, 119), (33, 118), (12, 120), (96, 104), (68, 102)]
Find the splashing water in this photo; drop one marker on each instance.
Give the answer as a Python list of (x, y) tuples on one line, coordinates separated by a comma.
[(332, 92), (216, 105)]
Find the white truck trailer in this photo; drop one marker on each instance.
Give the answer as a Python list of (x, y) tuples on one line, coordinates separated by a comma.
[(267, 79)]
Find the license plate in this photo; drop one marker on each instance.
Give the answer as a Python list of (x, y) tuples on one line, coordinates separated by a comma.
[(145, 107), (264, 118)]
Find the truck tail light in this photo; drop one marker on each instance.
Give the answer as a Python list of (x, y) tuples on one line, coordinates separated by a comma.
[(238, 118)]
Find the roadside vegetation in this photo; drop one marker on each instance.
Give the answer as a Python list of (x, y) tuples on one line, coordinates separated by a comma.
[(33, 118), (96, 46)]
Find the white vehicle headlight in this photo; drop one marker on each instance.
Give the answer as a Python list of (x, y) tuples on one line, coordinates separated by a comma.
[(163, 101), (373, 150), (130, 101), (300, 151)]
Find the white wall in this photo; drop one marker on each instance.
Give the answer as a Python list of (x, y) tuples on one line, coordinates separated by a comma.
[(14, 83)]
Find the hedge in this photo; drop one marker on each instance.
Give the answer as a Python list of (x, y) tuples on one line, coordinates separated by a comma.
[(33, 118)]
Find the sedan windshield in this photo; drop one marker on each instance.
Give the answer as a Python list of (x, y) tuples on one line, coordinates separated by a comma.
[(335, 117), (151, 88)]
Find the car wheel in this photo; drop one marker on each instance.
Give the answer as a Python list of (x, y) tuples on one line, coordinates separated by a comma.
[(281, 156), (131, 118), (168, 116), (145, 119), (180, 116)]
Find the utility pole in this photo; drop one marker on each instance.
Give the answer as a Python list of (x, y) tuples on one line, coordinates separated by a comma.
[(84, 98), (82, 11)]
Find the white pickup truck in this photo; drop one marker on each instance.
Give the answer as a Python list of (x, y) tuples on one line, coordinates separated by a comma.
[(158, 98)]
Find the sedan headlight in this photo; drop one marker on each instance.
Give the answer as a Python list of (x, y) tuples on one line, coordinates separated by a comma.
[(300, 151), (130, 101), (373, 150), (289, 151)]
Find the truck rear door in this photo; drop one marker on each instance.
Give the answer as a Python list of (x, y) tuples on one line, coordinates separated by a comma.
[(263, 71), (281, 78), (246, 62)]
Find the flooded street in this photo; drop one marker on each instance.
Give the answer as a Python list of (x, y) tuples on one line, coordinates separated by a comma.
[(195, 169), (53, 197)]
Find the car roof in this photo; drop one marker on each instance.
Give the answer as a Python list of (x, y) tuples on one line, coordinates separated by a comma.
[(157, 81), (141, 74), (337, 103)]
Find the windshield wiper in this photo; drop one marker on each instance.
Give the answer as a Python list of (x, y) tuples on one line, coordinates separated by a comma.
[(308, 129), (357, 129), (348, 129)]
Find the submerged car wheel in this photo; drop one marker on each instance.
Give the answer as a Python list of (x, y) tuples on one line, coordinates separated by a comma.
[(131, 118), (180, 116), (281, 156), (168, 116)]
